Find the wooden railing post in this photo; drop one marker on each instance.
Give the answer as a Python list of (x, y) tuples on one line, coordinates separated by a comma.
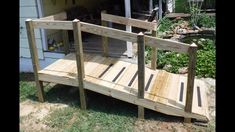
[(34, 57), (79, 61), (154, 53), (190, 83), (104, 39), (141, 72), (65, 41)]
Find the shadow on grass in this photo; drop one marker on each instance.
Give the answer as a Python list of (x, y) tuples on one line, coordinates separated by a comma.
[(100, 103)]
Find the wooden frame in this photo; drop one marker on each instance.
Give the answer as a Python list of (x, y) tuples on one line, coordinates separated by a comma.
[(141, 40)]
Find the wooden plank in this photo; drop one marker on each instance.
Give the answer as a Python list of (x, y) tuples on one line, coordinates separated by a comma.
[(104, 39), (79, 60), (154, 53), (190, 81), (48, 24), (65, 41), (59, 16), (126, 78), (108, 32), (110, 75), (87, 27), (167, 44), (141, 71), (129, 21), (116, 93), (34, 55), (173, 15)]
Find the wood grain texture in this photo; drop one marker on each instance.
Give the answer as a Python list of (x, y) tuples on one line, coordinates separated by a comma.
[(162, 95), (34, 56), (80, 61), (104, 39), (128, 21)]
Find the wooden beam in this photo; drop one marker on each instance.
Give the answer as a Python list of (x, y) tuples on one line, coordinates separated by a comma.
[(65, 41), (141, 72), (108, 32), (104, 39), (190, 81), (79, 61), (59, 16), (154, 54), (167, 44), (49, 24), (34, 57), (129, 21), (114, 33)]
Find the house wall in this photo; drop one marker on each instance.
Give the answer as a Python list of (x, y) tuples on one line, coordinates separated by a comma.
[(51, 7), (28, 10)]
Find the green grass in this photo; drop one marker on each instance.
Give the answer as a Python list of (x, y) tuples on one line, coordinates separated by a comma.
[(104, 113), (74, 119)]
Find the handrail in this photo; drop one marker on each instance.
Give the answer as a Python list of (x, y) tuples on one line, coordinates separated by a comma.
[(141, 40)]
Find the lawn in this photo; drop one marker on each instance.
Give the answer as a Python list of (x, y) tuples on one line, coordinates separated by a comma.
[(103, 114)]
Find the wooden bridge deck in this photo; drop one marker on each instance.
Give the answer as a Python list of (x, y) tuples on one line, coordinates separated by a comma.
[(164, 92)]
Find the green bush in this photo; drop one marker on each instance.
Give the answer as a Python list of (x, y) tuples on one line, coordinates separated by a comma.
[(206, 21)]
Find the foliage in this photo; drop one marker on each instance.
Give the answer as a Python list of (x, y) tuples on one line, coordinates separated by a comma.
[(181, 6), (206, 21), (205, 65), (164, 24)]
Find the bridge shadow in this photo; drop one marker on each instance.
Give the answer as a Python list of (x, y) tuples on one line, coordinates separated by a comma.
[(100, 103)]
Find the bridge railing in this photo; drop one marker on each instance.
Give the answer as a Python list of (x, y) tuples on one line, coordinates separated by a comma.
[(77, 26)]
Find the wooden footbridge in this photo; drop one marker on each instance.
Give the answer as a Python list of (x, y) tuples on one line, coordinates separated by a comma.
[(158, 90)]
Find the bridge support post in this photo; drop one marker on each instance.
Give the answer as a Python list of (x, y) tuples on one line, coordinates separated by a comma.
[(34, 56), (79, 60), (154, 53), (141, 72), (190, 82), (104, 39)]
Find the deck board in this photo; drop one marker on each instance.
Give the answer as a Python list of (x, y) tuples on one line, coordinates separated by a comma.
[(163, 94)]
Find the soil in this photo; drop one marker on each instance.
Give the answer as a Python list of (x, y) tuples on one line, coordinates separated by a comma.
[(33, 112)]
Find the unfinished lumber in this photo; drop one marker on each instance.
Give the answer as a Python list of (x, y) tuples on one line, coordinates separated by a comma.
[(141, 72), (34, 56), (104, 38), (129, 21), (65, 41), (79, 60), (190, 81), (154, 53)]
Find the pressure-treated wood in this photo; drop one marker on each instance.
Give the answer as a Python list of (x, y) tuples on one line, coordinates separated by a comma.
[(104, 39), (56, 24), (65, 41), (79, 60), (115, 33), (34, 57), (59, 16), (116, 78), (166, 44), (141, 71), (190, 81), (163, 94), (129, 21), (154, 54)]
